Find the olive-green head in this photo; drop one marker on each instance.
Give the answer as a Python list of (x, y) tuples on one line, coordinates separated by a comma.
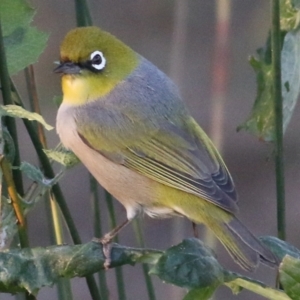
[(92, 63)]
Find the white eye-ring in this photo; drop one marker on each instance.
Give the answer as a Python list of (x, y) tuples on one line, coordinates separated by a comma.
[(98, 60)]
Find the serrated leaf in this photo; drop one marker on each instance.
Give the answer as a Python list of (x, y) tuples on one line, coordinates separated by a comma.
[(19, 112), (33, 268), (8, 220), (262, 119), (23, 43), (289, 271), (280, 248), (289, 15), (36, 174), (189, 264), (65, 157), (200, 294)]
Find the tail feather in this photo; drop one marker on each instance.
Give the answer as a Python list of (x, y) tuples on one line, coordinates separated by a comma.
[(242, 245)]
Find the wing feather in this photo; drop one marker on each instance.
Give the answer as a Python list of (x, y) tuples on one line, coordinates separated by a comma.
[(180, 157)]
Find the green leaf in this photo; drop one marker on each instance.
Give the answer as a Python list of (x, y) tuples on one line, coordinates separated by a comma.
[(256, 287), (35, 193), (9, 145), (290, 64), (197, 294), (65, 157), (8, 219), (57, 100), (36, 175), (31, 269), (280, 248), (261, 120), (23, 48), (189, 264), (15, 14), (289, 15), (19, 112), (289, 272), (296, 4), (23, 43)]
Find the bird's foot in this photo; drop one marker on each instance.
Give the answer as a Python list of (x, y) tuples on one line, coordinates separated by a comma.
[(106, 243), (106, 248)]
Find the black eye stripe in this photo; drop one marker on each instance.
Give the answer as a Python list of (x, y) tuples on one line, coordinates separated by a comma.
[(88, 65), (95, 64)]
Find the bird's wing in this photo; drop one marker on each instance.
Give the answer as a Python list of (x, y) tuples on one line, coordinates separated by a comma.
[(180, 158)]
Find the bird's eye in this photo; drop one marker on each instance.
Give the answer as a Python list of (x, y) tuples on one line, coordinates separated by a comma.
[(98, 60)]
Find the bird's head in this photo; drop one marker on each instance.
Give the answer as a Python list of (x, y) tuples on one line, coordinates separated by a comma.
[(92, 63)]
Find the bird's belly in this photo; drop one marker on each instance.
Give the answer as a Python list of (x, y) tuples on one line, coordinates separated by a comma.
[(134, 191)]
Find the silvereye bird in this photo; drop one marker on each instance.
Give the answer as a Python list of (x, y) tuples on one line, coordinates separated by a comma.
[(125, 120)]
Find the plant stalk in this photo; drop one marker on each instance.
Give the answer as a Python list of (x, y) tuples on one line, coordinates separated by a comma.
[(113, 224), (279, 163), (95, 202), (83, 16), (55, 228), (137, 226), (16, 186), (48, 171), (10, 122)]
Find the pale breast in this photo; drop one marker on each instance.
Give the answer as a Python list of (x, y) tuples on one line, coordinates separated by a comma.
[(133, 190)]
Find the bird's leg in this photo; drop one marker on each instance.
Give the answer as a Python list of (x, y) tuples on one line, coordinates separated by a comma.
[(196, 235), (106, 242), (108, 237)]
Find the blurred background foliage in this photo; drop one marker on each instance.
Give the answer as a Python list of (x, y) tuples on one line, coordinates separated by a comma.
[(209, 62)]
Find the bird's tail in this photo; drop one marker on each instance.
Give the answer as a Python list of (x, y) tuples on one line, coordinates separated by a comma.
[(242, 245)]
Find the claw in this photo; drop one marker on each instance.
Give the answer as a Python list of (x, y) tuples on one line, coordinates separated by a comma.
[(106, 243)]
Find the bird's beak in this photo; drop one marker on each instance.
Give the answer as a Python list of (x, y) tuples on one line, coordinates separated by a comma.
[(67, 68)]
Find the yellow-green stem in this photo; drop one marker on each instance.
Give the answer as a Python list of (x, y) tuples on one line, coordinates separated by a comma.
[(15, 199)]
